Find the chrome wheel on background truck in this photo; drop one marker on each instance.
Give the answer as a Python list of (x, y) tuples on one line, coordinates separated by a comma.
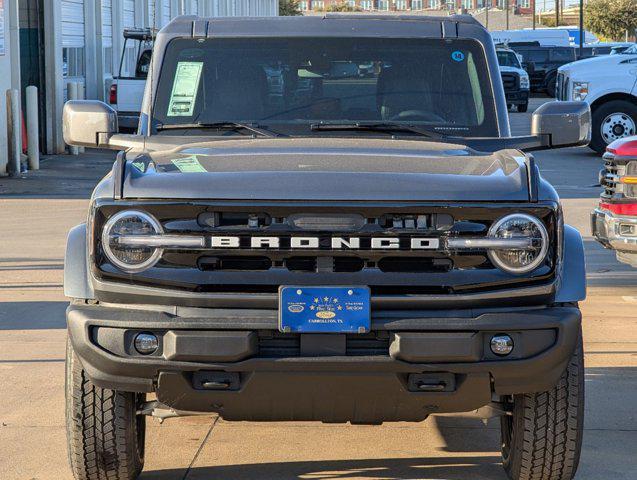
[(611, 121)]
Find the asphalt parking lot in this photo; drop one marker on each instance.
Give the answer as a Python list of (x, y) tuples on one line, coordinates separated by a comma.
[(34, 218)]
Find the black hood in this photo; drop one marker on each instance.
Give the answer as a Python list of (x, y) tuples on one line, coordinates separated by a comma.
[(327, 169)]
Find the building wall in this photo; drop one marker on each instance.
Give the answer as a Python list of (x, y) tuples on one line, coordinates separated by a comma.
[(8, 52), (416, 5)]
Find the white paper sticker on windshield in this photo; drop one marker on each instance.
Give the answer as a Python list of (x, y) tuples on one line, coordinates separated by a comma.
[(184, 93)]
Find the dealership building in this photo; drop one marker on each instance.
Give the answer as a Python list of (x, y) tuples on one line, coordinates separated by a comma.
[(49, 43)]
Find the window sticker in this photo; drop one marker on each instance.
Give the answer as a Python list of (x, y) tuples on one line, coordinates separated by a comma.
[(185, 86), (188, 164), (457, 56)]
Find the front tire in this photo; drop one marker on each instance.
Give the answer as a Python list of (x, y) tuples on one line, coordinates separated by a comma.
[(542, 440), (523, 107), (105, 435), (613, 120)]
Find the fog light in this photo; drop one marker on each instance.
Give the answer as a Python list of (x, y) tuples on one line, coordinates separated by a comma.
[(501, 344), (146, 343)]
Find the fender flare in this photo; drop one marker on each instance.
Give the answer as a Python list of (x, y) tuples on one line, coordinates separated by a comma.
[(572, 287), (76, 278)]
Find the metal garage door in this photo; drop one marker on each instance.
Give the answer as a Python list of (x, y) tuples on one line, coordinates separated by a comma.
[(107, 37), (73, 53), (128, 17), (223, 8), (165, 12), (130, 56)]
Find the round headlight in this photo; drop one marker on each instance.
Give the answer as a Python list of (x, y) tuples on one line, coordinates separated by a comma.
[(131, 256), (520, 226)]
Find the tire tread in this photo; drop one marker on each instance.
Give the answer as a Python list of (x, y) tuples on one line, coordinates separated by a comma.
[(549, 427), (101, 428)]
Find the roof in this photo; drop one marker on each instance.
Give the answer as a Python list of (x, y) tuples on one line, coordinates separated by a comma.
[(329, 25)]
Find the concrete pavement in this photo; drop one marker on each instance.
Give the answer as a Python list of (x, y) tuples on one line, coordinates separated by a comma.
[(34, 219)]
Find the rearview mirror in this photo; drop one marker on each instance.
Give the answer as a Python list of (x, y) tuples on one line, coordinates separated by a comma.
[(563, 124), (88, 123)]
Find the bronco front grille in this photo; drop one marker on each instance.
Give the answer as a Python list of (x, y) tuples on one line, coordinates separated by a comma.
[(401, 270)]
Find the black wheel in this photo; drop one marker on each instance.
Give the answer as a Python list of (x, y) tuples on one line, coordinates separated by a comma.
[(613, 120), (543, 438), (551, 85), (105, 436), (523, 107)]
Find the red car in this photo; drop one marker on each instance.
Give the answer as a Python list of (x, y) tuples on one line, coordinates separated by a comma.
[(614, 221)]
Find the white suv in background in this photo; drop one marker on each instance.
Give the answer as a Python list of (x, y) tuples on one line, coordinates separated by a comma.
[(608, 85)]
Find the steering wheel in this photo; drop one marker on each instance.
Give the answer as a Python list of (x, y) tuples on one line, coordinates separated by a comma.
[(418, 115)]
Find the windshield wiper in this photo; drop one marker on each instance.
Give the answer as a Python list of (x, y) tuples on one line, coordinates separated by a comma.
[(379, 127), (256, 129)]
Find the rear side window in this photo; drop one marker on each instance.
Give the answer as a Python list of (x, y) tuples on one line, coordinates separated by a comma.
[(563, 54), (537, 56)]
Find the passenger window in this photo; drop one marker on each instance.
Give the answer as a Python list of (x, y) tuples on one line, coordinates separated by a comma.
[(143, 64), (538, 56), (562, 54)]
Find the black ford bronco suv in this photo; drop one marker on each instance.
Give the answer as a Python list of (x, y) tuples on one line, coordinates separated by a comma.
[(325, 218)]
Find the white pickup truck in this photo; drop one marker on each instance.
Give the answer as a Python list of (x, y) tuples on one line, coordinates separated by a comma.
[(609, 85), (127, 88)]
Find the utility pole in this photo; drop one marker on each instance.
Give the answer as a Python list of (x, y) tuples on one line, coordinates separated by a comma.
[(486, 2), (533, 6), (506, 4), (557, 13), (581, 28)]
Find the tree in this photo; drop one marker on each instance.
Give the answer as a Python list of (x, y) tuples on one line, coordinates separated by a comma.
[(611, 19), (289, 8), (342, 6)]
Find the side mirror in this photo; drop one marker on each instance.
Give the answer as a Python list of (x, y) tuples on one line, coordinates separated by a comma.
[(563, 124), (529, 67), (88, 123)]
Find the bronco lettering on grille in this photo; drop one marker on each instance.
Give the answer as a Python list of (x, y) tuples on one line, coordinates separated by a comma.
[(334, 243)]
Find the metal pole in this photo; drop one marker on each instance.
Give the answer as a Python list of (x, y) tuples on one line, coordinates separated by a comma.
[(33, 131), (581, 28), (14, 132), (506, 4), (533, 4), (487, 13), (71, 89), (557, 13)]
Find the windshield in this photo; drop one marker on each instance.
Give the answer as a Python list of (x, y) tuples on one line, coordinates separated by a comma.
[(508, 59), (630, 50), (290, 84)]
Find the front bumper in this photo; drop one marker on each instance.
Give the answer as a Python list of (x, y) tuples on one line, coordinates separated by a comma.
[(518, 97), (606, 229), (323, 379)]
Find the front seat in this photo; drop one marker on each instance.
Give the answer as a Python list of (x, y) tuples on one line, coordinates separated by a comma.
[(403, 90), (239, 92)]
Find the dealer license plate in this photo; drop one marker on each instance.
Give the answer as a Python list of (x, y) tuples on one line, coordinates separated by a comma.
[(324, 309)]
